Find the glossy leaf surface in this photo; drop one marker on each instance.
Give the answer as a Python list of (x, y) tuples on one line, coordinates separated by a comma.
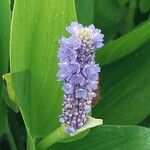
[(36, 28), (111, 137), (125, 88)]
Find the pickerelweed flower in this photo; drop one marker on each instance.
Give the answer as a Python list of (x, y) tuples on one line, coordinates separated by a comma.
[(79, 73)]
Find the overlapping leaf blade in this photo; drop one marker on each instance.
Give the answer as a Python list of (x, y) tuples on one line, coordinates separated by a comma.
[(106, 13), (4, 49), (36, 28), (125, 88), (85, 8), (126, 44), (111, 137), (144, 6), (123, 2)]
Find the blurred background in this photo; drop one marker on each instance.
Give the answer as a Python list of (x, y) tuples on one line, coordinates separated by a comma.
[(124, 83)]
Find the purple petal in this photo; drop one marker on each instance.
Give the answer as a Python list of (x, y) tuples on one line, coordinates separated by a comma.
[(72, 68), (77, 79), (74, 28), (91, 95), (81, 93), (61, 74), (87, 108), (70, 43), (67, 55), (96, 36), (92, 85), (67, 88), (70, 130), (91, 72)]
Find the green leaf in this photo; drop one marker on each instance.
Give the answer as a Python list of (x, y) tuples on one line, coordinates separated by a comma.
[(36, 29), (123, 2), (4, 49), (106, 13), (144, 6), (2, 117), (145, 122), (125, 88), (111, 137), (85, 8), (124, 45)]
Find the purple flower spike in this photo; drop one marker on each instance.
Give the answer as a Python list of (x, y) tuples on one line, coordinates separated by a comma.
[(79, 73)]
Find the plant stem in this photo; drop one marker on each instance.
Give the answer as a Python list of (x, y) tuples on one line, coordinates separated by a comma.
[(130, 15), (18, 133), (57, 135), (10, 138)]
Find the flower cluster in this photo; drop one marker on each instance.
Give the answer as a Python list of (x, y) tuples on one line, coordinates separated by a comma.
[(79, 73)]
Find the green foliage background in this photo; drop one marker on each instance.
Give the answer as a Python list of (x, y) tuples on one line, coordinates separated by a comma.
[(29, 31)]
